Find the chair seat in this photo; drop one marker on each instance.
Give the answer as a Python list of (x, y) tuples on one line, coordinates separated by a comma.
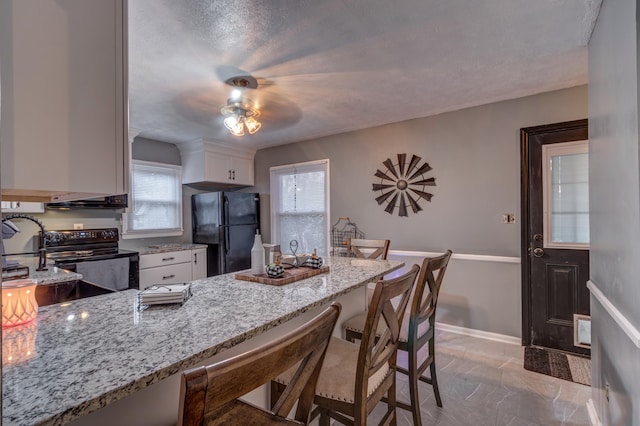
[(356, 324), (337, 378)]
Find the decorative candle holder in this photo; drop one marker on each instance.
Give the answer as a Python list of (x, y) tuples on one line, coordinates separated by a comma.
[(19, 303)]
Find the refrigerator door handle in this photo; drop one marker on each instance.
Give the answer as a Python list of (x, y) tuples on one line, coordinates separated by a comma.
[(227, 241), (225, 210)]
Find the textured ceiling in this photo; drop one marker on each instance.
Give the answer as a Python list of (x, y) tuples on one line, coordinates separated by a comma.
[(326, 67)]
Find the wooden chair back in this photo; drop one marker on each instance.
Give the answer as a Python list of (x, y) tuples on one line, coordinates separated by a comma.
[(423, 305), (208, 394), (380, 248), (375, 351)]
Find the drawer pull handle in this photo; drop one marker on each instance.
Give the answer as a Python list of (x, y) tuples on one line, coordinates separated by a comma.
[(166, 277), (166, 259)]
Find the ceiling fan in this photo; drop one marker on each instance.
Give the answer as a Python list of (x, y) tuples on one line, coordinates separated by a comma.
[(240, 111)]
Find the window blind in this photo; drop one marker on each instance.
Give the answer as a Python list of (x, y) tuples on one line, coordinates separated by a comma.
[(156, 194), (300, 206)]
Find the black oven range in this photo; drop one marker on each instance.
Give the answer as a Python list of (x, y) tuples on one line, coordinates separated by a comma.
[(94, 253)]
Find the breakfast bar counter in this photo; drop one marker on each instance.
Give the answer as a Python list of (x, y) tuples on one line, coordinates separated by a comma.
[(79, 357)]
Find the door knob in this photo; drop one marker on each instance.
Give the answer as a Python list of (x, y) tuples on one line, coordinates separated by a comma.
[(538, 252)]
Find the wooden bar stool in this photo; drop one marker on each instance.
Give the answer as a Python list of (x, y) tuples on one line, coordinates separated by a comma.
[(417, 330), (357, 246), (209, 394), (354, 378)]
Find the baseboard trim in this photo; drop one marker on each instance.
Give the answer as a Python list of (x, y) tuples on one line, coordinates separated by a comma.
[(503, 338), (617, 316), (593, 414), (457, 256)]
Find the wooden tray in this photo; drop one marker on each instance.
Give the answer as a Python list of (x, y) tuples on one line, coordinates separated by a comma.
[(290, 275)]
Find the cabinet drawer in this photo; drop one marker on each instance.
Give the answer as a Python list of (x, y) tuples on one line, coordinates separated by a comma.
[(162, 259), (170, 274)]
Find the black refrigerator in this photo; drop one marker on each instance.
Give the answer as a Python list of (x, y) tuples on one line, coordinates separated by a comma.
[(227, 222)]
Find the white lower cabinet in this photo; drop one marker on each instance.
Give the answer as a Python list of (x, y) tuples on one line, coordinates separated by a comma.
[(199, 265), (165, 268), (172, 267)]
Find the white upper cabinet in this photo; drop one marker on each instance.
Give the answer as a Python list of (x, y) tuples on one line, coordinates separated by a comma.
[(64, 98), (207, 163)]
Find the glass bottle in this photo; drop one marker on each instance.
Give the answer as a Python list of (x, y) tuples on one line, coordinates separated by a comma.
[(257, 255)]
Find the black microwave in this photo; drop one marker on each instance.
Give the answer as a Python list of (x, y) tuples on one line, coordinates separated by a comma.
[(108, 202)]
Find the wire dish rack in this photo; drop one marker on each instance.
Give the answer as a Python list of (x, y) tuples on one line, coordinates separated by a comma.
[(341, 232)]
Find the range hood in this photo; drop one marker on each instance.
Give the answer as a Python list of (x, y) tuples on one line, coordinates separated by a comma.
[(108, 202)]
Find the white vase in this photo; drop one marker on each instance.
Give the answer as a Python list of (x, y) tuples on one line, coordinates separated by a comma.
[(257, 255)]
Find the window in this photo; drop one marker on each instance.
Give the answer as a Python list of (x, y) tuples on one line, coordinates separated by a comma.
[(155, 209), (565, 181), (300, 206)]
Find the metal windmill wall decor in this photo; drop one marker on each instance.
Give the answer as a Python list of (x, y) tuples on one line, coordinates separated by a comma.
[(403, 184)]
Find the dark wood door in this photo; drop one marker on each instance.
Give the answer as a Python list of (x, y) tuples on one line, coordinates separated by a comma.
[(555, 269)]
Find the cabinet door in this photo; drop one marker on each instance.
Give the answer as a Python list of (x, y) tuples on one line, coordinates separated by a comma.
[(242, 171), (64, 119), (199, 265), (217, 167)]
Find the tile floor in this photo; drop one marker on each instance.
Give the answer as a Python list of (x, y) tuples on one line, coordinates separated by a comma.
[(483, 382)]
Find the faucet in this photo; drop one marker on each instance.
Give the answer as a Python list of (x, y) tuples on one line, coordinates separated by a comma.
[(42, 247)]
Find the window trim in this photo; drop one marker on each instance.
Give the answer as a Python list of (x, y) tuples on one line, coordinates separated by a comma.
[(147, 233), (274, 171)]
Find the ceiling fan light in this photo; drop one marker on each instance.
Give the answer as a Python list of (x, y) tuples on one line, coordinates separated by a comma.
[(231, 122), (252, 124), (238, 131), (235, 125)]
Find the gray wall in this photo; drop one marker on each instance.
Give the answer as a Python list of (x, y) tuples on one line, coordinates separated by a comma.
[(475, 158), (615, 212), (156, 151)]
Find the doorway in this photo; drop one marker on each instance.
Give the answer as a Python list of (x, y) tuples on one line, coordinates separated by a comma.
[(554, 234)]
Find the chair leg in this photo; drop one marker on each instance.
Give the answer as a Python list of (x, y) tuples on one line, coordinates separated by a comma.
[(413, 386), (391, 404), (432, 368), (324, 417)]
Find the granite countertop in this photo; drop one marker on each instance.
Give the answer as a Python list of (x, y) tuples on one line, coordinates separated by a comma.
[(52, 275), (165, 247), (92, 352)]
